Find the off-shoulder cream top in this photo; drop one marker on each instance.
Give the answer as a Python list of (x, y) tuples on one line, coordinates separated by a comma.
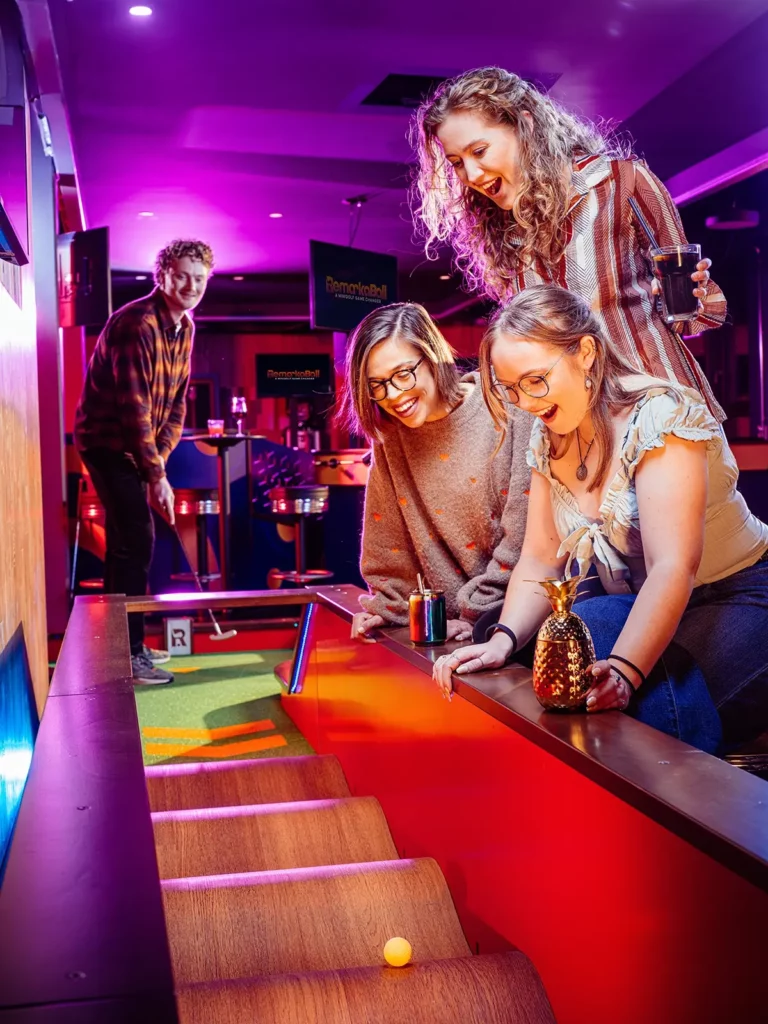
[(733, 537)]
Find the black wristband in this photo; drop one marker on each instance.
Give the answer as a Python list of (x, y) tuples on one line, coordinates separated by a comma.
[(624, 676), (625, 661), (499, 627)]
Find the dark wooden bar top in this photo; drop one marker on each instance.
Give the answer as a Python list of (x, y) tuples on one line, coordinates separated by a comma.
[(718, 808)]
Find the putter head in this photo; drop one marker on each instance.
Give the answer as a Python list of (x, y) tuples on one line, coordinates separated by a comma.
[(223, 636)]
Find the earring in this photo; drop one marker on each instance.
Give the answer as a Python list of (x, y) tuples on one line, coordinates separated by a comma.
[(587, 382)]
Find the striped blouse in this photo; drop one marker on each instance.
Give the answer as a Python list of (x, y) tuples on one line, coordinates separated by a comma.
[(607, 262)]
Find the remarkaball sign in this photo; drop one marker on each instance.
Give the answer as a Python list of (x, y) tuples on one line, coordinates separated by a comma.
[(346, 284)]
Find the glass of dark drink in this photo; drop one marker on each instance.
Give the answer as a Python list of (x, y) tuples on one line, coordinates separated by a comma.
[(672, 267)]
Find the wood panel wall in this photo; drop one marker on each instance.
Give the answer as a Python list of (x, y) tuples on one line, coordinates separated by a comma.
[(22, 569)]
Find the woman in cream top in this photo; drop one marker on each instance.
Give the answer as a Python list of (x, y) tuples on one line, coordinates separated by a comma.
[(634, 477), (733, 538)]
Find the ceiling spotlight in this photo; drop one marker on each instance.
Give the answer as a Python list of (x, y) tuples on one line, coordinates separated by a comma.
[(275, 216), (355, 201), (140, 12), (141, 277), (238, 277), (146, 213), (445, 277)]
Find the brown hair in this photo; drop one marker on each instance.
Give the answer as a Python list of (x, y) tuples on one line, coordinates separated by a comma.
[(177, 250), (446, 210), (406, 321), (553, 316)]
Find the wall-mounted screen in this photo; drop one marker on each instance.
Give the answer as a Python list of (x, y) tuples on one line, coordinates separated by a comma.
[(85, 283), (346, 284), (293, 376)]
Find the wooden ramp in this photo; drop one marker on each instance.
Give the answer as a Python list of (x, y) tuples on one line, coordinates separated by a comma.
[(502, 988), (308, 919), (280, 891), (230, 783), (267, 837)]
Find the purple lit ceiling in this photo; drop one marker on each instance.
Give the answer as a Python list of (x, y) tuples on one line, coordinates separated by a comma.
[(212, 114)]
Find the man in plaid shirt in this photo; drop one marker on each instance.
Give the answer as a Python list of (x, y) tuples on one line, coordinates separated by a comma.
[(130, 417)]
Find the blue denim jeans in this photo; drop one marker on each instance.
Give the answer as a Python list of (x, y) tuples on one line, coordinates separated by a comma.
[(674, 698), (725, 628), (710, 687)]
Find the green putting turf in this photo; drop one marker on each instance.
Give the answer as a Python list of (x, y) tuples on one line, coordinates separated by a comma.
[(220, 707)]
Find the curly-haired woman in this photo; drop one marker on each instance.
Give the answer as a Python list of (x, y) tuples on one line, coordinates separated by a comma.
[(526, 193)]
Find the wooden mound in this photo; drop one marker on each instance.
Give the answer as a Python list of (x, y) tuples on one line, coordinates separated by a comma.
[(503, 988), (268, 837), (280, 891), (229, 783), (308, 919)]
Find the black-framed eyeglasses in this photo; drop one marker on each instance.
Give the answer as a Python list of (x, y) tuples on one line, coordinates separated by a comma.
[(401, 380), (535, 385)]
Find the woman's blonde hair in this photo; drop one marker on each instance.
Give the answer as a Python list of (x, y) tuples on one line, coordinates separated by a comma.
[(446, 210), (403, 321), (553, 316)]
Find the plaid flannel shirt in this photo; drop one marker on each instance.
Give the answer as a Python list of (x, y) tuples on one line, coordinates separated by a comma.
[(134, 395)]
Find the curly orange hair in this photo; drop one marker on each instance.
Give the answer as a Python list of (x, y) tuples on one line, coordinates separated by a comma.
[(446, 210)]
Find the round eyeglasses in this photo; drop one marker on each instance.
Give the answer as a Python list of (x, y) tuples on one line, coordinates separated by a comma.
[(535, 385), (401, 380)]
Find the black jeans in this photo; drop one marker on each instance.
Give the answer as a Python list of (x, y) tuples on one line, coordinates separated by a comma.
[(129, 527)]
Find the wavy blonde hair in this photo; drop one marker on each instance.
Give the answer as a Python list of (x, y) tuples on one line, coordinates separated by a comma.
[(446, 210)]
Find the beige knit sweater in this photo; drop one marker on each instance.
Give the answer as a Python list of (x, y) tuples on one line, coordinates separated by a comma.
[(440, 502)]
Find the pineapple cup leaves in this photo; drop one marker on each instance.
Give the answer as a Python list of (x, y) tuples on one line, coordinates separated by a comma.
[(561, 593)]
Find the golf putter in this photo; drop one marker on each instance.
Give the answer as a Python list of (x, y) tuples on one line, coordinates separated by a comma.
[(219, 634)]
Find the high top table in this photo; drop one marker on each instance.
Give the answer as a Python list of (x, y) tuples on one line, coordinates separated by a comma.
[(223, 443)]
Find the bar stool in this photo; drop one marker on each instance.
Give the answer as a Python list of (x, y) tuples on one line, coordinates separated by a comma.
[(200, 504), (294, 506), (89, 511)]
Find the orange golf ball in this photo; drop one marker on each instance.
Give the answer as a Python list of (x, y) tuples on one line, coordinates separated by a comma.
[(397, 952)]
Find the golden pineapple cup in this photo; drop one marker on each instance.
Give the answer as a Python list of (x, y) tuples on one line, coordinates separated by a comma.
[(564, 651)]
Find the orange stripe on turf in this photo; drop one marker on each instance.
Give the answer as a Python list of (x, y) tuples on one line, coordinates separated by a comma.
[(222, 733), (230, 750)]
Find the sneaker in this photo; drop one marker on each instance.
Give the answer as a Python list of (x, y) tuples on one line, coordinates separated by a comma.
[(156, 657), (146, 674)]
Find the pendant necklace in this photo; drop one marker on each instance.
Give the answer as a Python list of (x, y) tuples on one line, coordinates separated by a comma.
[(581, 471)]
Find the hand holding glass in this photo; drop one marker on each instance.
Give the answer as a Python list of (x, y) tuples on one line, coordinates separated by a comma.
[(673, 267)]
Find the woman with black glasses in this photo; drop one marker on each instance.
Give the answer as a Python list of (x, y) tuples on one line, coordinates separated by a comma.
[(633, 477), (443, 499)]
